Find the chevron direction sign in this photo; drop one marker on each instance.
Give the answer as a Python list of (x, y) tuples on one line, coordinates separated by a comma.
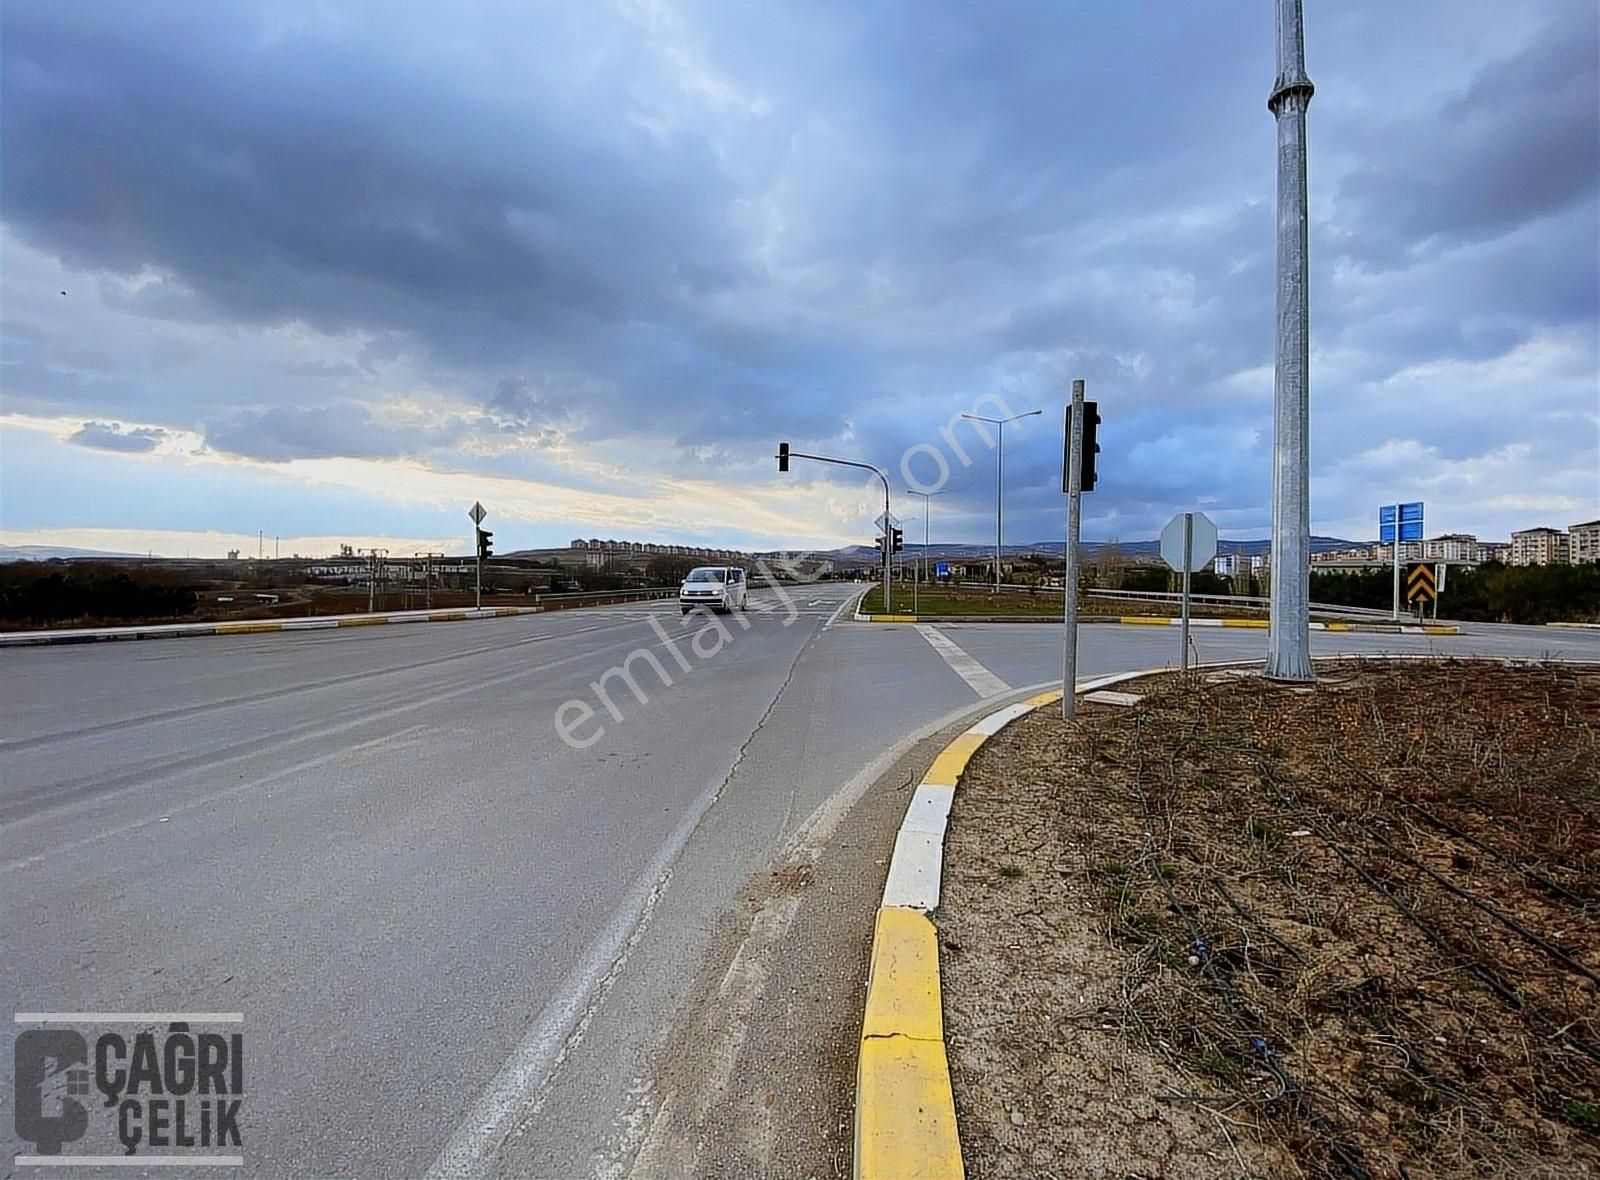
[(1420, 584)]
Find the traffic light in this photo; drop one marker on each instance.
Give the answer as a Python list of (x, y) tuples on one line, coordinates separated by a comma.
[(1091, 448), (899, 540), (877, 543), (783, 456), (485, 545)]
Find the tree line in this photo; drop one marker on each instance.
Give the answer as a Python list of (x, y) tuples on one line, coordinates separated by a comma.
[(37, 593), (1489, 594)]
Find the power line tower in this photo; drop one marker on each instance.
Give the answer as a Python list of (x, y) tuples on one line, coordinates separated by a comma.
[(375, 566)]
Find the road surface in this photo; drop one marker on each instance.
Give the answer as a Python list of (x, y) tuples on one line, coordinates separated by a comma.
[(461, 942)]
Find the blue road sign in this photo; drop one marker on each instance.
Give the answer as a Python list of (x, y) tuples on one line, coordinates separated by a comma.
[(941, 569), (1410, 522)]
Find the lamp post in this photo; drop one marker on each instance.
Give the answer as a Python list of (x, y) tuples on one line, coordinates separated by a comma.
[(999, 479), (1289, 628), (927, 516)]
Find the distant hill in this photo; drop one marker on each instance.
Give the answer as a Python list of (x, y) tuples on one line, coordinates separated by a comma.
[(53, 553)]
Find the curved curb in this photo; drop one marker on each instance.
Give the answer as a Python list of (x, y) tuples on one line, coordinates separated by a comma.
[(905, 1120), (1168, 621), (905, 1109)]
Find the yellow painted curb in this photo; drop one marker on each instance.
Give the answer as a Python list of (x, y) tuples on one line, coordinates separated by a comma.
[(952, 760), (903, 986), (1258, 624), (892, 618), (1441, 630), (454, 616), (246, 628), (1044, 698), (363, 621), (1145, 620), (905, 1110), (1336, 626)]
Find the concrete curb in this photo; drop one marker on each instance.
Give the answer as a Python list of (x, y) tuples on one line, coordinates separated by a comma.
[(256, 626), (1164, 621), (905, 1118), (905, 1110)]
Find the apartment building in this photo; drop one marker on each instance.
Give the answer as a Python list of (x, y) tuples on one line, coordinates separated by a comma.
[(1451, 547), (1540, 546), (1583, 542)]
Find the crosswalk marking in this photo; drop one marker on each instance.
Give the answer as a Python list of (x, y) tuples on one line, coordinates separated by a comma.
[(982, 681)]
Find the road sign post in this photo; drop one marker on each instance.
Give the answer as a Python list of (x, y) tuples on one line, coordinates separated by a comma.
[(1398, 523), (477, 513), (1187, 543), (1422, 586), (1069, 578)]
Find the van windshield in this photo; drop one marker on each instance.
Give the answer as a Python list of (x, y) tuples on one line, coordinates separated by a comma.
[(707, 574)]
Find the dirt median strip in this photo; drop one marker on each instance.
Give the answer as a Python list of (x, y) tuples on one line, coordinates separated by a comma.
[(905, 1121), (1246, 928), (1171, 621)]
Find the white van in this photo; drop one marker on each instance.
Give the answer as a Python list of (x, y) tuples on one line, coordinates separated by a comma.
[(720, 587)]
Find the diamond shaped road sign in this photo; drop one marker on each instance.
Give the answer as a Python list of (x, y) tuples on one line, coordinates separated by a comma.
[(1202, 542), (478, 513), (885, 522)]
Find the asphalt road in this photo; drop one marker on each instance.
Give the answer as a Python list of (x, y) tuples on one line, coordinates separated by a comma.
[(459, 941)]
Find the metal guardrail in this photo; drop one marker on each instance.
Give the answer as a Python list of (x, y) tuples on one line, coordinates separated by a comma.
[(616, 595), (1327, 608), (1235, 600)]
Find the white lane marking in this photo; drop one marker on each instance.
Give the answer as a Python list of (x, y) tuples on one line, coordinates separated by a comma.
[(648, 1124), (842, 607), (168, 812), (514, 1091), (982, 681), (517, 1091)]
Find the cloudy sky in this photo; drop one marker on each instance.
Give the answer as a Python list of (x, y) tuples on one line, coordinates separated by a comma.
[(335, 270)]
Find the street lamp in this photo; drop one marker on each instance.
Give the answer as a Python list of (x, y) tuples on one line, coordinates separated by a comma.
[(927, 515), (999, 479)]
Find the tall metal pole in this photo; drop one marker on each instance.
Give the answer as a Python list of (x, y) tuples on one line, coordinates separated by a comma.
[(888, 542), (1395, 554), (999, 498), (1069, 603), (1188, 562), (1289, 633)]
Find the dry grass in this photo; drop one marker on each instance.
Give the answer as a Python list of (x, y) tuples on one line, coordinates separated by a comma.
[(1348, 932)]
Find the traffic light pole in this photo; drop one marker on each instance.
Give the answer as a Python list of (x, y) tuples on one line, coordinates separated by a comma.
[(785, 454), (477, 596), (1069, 611)]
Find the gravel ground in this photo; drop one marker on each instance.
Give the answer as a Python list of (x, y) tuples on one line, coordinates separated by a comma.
[(1245, 929)]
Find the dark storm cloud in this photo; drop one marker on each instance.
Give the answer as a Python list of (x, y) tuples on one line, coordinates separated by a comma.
[(687, 233), (340, 430), (1518, 143), (111, 436)]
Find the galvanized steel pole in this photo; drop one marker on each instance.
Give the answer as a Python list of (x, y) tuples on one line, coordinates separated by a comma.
[(1069, 572), (1289, 634)]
